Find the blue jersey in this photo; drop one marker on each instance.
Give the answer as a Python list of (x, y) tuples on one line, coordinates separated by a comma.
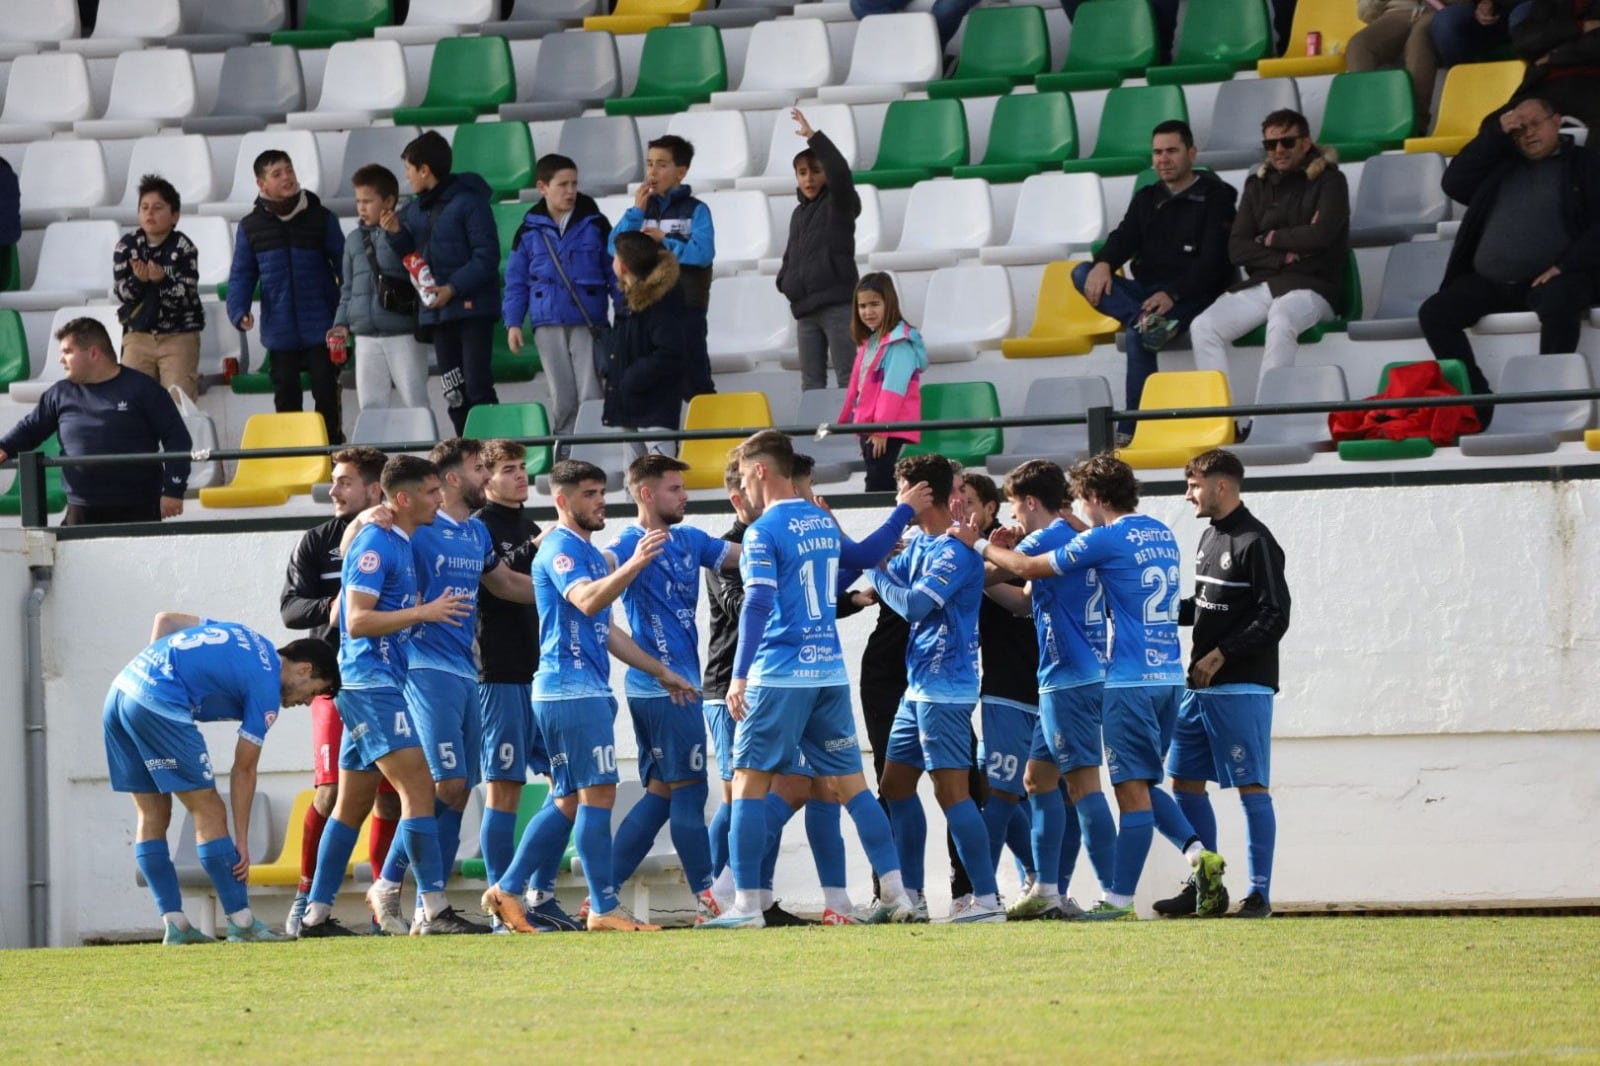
[(661, 602), (450, 556), (942, 652), (1136, 559), (1069, 613), (574, 659), (380, 564), (794, 547), (213, 672)]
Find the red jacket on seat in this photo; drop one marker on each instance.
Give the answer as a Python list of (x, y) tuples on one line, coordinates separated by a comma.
[(1442, 425)]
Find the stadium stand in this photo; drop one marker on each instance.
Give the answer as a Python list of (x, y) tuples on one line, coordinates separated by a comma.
[(258, 86), (1002, 47), (1131, 112), (501, 153), (1056, 214), (1235, 137), (786, 60), (575, 71), (1111, 40), (1218, 38), (743, 411), (265, 482), (487, 421), (1527, 428), (221, 25), (642, 16), (469, 76), (33, 26), (1399, 198), (920, 139), (1333, 22), (328, 22), (676, 68), (1471, 90), (948, 401), (837, 455), (1369, 451), (1174, 441), (721, 142), (127, 27), (367, 144), (74, 267), (1064, 322), (1367, 113), (1028, 133), (45, 94), (607, 153), (1062, 396), (892, 55), (1411, 275), (1279, 440), (436, 21), (394, 425), (748, 322), (13, 350), (363, 81), (612, 457), (61, 180), (945, 221), (968, 309)]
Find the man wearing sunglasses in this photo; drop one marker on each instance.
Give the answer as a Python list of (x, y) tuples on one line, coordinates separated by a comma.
[(1292, 237)]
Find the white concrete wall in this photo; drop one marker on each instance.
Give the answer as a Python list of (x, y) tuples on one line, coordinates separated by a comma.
[(1437, 728)]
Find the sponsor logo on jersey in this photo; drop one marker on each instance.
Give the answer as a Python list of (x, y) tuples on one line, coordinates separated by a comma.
[(272, 716), (1143, 535), (369, 562), (800, 526)]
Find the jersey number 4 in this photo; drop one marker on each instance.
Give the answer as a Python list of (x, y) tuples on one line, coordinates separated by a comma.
[(816, 597)]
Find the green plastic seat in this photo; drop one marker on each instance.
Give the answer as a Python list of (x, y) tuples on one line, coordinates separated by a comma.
[(258, 382), (1367, 113), (1030, 133), (469, 76), (507, 366), (1219, 38), (13, 270), (534, 794), (1130, 113), (496, 420), (960, 399), (1111, 40), (1368, 451), (1338, 324), (679, 66), (921, 139), (13, 350), (508, 217), (1002, 48), (499, 152), (327, 22), (55, 495)]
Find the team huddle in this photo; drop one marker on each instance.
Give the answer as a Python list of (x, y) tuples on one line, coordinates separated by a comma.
[(474, 647)]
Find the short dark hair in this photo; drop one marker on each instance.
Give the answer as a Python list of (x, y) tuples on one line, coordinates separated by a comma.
[(452, 454), (983, 486), (731, 481), (640, 254), (936, 470), (88, 333), (270, 158), (496, 452), (368, 461), (550, 165), (768, 446), (806, 155), (1109, 479), (682, 151), (155, 183), (320, 654), (1218, 462), (430, 150), (379, 178), (1040, 478), (804, 465), (406, 472), (571, 472), (1287, 116), (651, 466), (1175, 125)]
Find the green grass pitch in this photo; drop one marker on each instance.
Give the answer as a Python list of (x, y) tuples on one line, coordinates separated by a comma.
[(1334, 990)]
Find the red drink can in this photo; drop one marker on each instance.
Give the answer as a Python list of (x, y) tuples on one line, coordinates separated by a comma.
[(1314, 43), (230, 369), (336, 348)]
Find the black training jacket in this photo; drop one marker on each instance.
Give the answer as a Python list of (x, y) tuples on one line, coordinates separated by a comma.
[(508, 633), (1241, 601), (725, 594), (313, 581)]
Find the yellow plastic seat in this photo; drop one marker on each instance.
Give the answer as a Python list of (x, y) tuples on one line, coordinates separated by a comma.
[(642, 16), (1064, 323), (1591, 440), (269, 482), (285, 869), (1471, 90), (743, 411), (1173, 442), (1337, 22)]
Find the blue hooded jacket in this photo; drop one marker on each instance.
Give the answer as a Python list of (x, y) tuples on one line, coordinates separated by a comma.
[(534, 289), (297, 259), (452, 226)]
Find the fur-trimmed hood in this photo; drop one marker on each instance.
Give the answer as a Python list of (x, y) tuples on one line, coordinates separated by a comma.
[(642, 292), (1323, 159)]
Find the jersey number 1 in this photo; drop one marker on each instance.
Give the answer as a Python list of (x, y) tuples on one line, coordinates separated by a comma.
[(816, 597)]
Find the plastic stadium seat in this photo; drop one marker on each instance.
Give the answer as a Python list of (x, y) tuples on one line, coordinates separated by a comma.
[(528, 805), (1056, 214), (1064, 396), (203, 437), (836, 120), (32, 26), (302, 148), (744, 229), (258, 86), (606, 151), (1335, 20), (469, 76), (363, 81), (184, 160), (1111, 40), (327, 22), (515, 421), (74, 266), (574, 70), (128, 26), (394, 425), (837, 454), (749, 321), (1367, 113), (150, 89), (959, 400), (284, 871), (536, 18), (1591, 440), (945, 220), (1029, 133), (1277, 440), (506, 366), (610, 456), (29, 390), (921, 139), (13, 350), (785, 61), (270, 482), (721, 145), (1235, 137), (892, 55), (1399, 197), (508, 216), (1173, 442), (435, 21), (679, 66), (1218, 38), (707, 458), (220, 25), (1353, 310), (642, 16), (55, 494), (1064, 322), (741, 14), (59, 180), (499, 152), (1527, 428), (1001, 47), (45, 95), (1410, 447), (1412, 274), (1131, 112), (367, 144), (1471, 91)]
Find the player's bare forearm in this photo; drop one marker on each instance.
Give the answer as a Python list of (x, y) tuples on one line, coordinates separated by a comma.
[(241, 795), (170, 622), (1023, 566), (1012, 598)]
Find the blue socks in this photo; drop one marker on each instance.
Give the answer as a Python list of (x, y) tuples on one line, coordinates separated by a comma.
[(219, 857), (910, 826), (997, 814), (594, 848), (721, 824), (872, 826), (539, 851), (397, 861), (1170, 820), (333, 855), (1133, 847), (1071, 842), (827, 842), (1099, 836), (637, 834), (1196, 807), (690, 838), (747, 841), (1019, 838), (1261, 835), (421, 837), (1049, 816), (495, 837), (778, 814), (972, 844), (155, 862)]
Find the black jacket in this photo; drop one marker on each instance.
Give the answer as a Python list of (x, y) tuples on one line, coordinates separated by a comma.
[(312, 582), (508, 633), (654, 346), (1474, 178), (725, 596), (819, 262), (1308, 213), (1555, 28), (1009, 647), (1241, 601), (1178, 244)]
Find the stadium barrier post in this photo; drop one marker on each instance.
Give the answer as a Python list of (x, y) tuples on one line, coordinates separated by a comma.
[(1101, 438)]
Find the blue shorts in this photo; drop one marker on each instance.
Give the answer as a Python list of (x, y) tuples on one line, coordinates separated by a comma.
[(508, 739), (720, 724), (376, 722), (581, 737), (816, 722), (1009, 735), (1069, 722), (444, 707), (149, 752), (932, 735), (1224, 735), (1138, 727), (672, 739)]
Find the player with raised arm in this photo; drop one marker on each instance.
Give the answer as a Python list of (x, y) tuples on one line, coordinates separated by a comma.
[(381, 608), (575, 587), (198, 670)]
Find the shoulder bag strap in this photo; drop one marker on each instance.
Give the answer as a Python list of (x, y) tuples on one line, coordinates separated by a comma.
[(572, 290)]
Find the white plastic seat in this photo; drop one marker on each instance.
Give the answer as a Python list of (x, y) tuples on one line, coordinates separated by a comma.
[(218, 25), (893, 55), (128, 25), (150, 89), (48, 362), (33, 25), (612, 457), (837, 455), (366, 144), (721, 145), (1528, 428), (968, 309), (184, 160), (74, 267), (1277, 440), (749, 321), (302, 148), (1063, 396), (363, 81), (1056, 215), (61, 180), (743, 227), (606, 149), (213, 240), (431, 21), (836, 120), (946, 220), (1506, 322), (786, 60), (45, 94)]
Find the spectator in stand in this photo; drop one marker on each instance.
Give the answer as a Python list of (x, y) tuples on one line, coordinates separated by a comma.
[(1470, 30), (655, 342), (1560, 39), (156, 274), (1398, 33), (10, 222), (97, 409), (886, 383)]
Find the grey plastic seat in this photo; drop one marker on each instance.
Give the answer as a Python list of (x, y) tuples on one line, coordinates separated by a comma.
[(218, 25), (1062, 444), (1529, 428), (1398, 198), (258, 86), (612, 457), (1411, 275), (837, 455), (737, 14), (574, 71), (538, 18), (367, 144), (1276, 440), (1235, 139), (394, 425), (606, 150)]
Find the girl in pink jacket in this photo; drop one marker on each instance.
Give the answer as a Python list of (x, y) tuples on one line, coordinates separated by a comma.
[(886, 383)]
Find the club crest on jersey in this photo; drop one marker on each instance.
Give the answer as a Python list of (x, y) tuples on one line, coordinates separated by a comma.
[(272, 716), (562, 564), (369, 562), (1227, 560)]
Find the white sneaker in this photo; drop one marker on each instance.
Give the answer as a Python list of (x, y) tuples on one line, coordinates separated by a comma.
[(968, 910), (385, 904), (891, 912)]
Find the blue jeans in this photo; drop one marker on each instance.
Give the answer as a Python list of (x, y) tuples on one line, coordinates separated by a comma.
[(1459, 38), (947, 13)]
